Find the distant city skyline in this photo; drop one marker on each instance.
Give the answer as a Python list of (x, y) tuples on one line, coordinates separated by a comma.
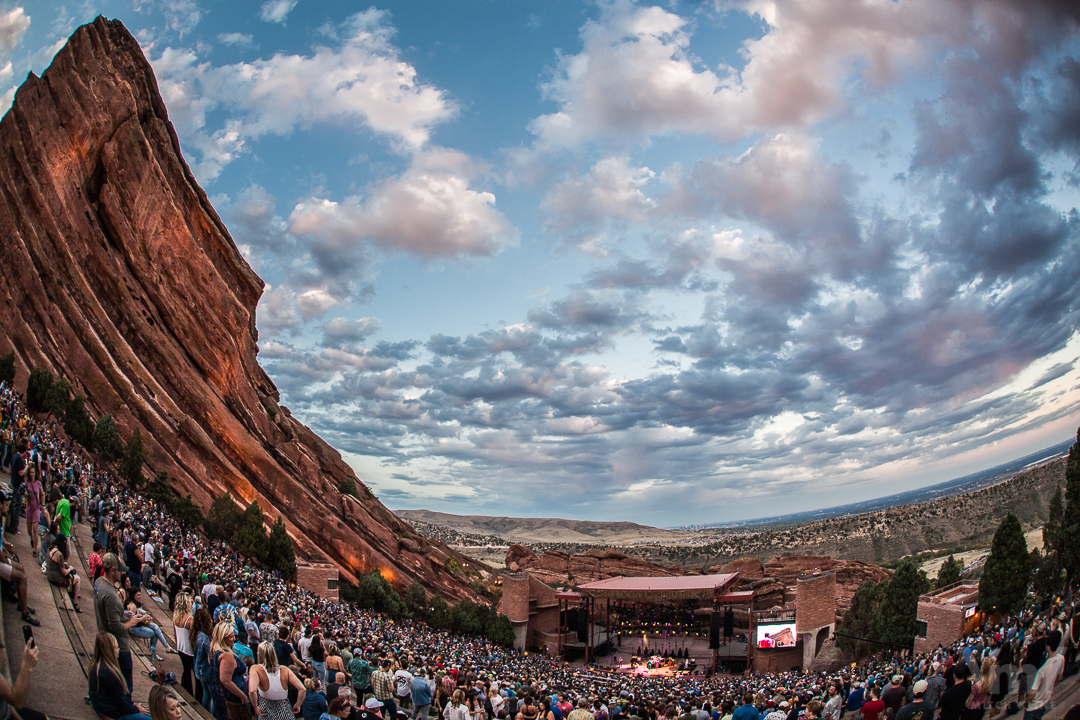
[(675, 263)]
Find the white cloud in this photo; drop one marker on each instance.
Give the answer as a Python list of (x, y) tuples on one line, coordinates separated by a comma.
[(276, 11), (235, 38), (429, 210), (315, 302), (636, 75), (182, 15), (13, 24), (364, 80), (611, 188), (277, 311)]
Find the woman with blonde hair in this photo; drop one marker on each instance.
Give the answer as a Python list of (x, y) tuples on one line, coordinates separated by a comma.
[(456, 708), (975, 707), (109, 694), (164, 704), (268, 687), (227, 675), (182, 623)]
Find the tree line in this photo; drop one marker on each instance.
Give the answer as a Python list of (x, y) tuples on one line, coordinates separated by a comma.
[(884, 615), (374, 592)]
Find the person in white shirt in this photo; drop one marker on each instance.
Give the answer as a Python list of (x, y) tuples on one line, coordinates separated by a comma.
[(1042, 690), (304, 646)]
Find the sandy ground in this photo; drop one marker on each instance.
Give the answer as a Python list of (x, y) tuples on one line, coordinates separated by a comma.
[(1033, 537)]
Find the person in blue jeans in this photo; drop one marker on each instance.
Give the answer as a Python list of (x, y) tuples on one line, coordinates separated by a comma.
[(109, 692)]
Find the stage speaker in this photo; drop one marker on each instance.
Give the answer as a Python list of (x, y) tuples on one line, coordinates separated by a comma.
[(571, 619), (714, 630), (583, 626), (729, 623)]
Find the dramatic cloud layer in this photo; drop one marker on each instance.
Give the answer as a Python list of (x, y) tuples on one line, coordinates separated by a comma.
[(673, 263)]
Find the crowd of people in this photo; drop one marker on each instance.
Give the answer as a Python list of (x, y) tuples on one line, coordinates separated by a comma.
[(252, 644)]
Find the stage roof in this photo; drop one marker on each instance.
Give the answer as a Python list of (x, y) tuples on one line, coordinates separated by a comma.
[(687, 587)]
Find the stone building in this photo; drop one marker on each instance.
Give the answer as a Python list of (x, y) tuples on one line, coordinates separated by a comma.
[(947, 615), (318, 578)]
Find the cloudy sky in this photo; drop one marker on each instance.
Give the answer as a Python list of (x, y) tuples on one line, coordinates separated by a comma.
[(676, 263)]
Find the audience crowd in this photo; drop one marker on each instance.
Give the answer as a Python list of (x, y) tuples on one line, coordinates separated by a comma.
[(252, 644)]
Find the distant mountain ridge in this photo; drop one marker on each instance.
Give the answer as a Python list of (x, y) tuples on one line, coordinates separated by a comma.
[(961, 521), (940, 491), (545, 530)]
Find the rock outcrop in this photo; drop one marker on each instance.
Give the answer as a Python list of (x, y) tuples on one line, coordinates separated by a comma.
[(118, 275), (558, 568)]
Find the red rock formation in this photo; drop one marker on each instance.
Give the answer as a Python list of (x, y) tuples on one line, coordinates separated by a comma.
[(117, 274), (558, 568), (749, 568), (849, 573)]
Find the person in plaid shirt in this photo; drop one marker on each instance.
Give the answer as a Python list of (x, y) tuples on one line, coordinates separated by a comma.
[(382, 684)]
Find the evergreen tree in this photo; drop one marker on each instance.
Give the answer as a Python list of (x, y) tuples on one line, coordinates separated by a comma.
[(134, 457), (187, 512), (7, 368), (501, 632), (107, 439), (440, 617), (160, 491), (1070, 518), (222, 518), (1051, 532), (949, 572), (1045, 573), (77, 422), (859, 616), (37, 389), (250, 537), (1007, 573), (280, 555), (416, 600), (895, 621), (56, 398), (374, 592)]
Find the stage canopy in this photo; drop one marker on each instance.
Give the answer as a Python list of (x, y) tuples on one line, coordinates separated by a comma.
[(644, 589)]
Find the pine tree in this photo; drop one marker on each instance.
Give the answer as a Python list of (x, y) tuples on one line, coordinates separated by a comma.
[(37, 389), (949, 572), (859, 617), (501, 632), (250, 536), (7, 368), (895, 621), (77, 421), (440, 613), (107, 439), (1070, 518), (56, 398), (222, 518), (416, 600), (279, 549), (134, 457), (1005, 578)]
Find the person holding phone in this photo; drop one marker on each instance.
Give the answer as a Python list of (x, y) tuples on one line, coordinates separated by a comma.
[(14, 695)]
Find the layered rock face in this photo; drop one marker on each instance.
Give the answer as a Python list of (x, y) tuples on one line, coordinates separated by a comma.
[(773, 583), (559, 568), (117, 274)]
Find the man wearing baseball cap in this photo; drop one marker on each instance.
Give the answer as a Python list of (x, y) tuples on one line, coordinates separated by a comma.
[(918, 709), (109, 612)]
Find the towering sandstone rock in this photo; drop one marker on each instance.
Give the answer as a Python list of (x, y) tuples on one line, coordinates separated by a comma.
[(117, 274)]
